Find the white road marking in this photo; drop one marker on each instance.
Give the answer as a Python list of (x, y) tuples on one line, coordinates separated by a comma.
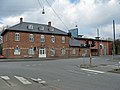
[(22, 80), (36, 80), (92, 70), (73, 71), (27, 65), (42, 82), (5, 77), (34, 65)]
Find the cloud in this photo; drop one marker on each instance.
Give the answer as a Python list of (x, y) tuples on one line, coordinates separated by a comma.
[(65, 14), (17, 7), (74, 1)]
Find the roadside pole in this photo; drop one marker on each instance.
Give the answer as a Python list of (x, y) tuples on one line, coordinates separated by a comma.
[(90, 56), (113, 51)]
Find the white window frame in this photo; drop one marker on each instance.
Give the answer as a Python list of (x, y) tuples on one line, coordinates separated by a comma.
[(63, 51), (52, 51), (74, 51), (42, 38), (31, 51), (17, 37), (63, 39), (53, 39), (17, 50), (31, 37)]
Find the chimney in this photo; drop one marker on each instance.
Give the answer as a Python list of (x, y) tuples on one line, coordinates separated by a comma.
[(21, 20), (49, 23)]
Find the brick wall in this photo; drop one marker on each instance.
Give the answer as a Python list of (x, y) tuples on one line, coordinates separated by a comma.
[(24, 44)]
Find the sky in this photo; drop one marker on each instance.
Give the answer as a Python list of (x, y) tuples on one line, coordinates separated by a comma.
[(88, 15)]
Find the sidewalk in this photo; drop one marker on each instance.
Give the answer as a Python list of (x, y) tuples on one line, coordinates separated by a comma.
[(26, 59), (104, 63)]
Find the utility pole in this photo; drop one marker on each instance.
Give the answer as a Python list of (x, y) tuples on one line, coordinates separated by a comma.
[(113, 37), (98, 42)]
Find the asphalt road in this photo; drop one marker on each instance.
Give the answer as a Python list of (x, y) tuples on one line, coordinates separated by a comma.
[(64, 74)]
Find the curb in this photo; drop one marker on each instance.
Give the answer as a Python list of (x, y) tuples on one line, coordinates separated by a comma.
[(30, 59)]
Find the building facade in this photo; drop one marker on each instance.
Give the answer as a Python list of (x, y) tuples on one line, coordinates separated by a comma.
[(100, 47), (34, 40), (25, 40)]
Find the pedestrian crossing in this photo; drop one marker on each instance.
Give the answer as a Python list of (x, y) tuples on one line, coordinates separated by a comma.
[(5, 77), (22, 80)]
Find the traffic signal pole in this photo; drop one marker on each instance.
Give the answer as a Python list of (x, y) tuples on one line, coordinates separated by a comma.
[(89, 45)]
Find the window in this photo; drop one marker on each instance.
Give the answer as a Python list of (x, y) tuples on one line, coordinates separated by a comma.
[(74, 50), (17, 37), (30, 27), (63, 39), (52, 52), (42, 39), (31, 38), (16, 50), (51, 29), (53, 39), (41, 28), (31, 51), (63, 51)]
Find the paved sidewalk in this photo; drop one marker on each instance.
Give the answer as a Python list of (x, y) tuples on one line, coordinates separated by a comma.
[(26, 59), (102, 63)]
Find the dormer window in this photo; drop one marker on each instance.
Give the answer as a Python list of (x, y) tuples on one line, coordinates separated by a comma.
[(30, 27), (41, 28), (51, 29)]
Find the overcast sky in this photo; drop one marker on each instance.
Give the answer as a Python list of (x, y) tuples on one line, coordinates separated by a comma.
[(88, 15)]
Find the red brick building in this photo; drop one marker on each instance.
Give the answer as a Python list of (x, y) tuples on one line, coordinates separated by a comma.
[(102, 47), (39, 40)]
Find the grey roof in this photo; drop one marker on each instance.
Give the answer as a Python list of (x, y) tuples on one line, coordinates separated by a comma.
[(75, 43), (24, 28)]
